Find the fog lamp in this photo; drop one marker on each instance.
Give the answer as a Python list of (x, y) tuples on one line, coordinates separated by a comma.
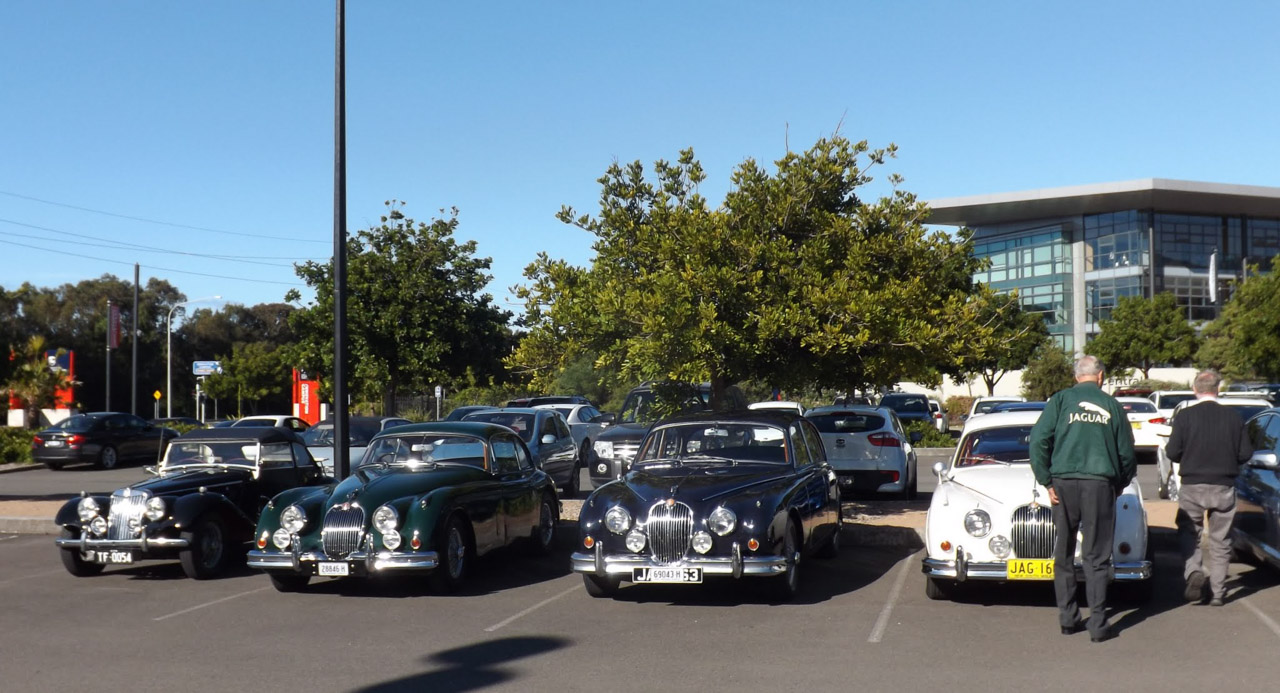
[(635, 541), (701, 542), (281, 539), (391, 540), (98, 526), (1000, 546)]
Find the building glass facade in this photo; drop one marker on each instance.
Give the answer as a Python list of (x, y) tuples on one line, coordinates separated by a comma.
[(1035, 262)]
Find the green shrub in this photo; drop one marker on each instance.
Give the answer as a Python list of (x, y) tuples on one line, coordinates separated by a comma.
[(932, 437), (15, 444)]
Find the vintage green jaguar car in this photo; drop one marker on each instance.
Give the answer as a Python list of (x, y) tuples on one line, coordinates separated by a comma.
[(424, 498)]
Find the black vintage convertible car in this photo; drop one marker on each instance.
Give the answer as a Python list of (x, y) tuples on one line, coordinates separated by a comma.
[(201, 507), (745, 494)]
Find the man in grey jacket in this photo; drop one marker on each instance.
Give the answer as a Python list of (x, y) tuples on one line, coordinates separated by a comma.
[(1210, 442)]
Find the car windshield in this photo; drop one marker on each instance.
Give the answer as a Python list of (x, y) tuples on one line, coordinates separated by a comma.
[(236, 453), (520, 423), (79, 422), (906, 404), (358, 434), (1004, 445), (1171, 401), (714, 443), (1247, 412), (847, 422), (564, 411), (640, 407), (423, 451)]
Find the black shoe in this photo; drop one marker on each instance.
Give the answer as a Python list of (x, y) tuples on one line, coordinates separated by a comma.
[(1194, 591), (1104, 636), (1072, 629), (1216, 601)]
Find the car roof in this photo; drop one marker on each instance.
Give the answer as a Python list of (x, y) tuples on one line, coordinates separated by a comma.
[(261, 434), (481, 429), (514, 410), (362, 419), (1001, 419), (1244, 402), (849, 409), (764, 416), (1135, 400)]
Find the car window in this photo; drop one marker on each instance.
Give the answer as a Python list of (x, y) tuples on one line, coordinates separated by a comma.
[(847, 422), (814, 441), (801, 447), (906, 404), (520, 423), (301, 456), (715, 443), (636, 408), (1258, 432), (506, 455), (589, 414), (241, 453), (1138, 407), (1271, 438), (419, 450), (562, 428), (276, 455), (1171, 401)]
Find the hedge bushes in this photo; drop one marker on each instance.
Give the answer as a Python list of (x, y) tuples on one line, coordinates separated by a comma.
[(15, 444)]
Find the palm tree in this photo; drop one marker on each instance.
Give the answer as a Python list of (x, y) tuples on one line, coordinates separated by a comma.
[(35, 383)]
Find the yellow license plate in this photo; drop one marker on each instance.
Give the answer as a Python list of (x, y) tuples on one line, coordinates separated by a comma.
[(1137, 425), (1030, 568)]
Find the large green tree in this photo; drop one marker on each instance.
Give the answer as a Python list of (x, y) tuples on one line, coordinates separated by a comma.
[(1048, 371), (793, 279), (1244, 342), (420, 315), (1010, 339), (1143, 333), (256, 374)]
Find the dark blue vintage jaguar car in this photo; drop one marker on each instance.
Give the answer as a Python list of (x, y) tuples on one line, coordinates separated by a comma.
[(745, 494)]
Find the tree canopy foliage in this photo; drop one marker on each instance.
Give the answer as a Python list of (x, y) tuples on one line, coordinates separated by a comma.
[(1012, 336), (1048, 371), (32, 381), (794, 279), (1244, 342), (1143, 333), (421, 319)]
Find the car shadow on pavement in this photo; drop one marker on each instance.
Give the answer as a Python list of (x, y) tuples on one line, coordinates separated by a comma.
[(504, 569), (820, 580), (471, 667)]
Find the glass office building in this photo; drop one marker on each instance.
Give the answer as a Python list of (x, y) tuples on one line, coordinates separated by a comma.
[(1072, 252)]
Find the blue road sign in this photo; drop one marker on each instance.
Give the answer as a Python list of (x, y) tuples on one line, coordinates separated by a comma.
[(206, 368)]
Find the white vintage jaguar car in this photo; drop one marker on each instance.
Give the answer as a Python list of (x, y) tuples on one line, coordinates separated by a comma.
[(990, 520)]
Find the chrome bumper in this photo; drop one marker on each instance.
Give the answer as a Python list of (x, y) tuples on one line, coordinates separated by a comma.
[(734, 566), (961, 569), (141, 543), (371, 562)]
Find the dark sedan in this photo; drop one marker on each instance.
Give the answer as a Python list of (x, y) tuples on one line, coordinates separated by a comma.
[(102, 438), (909, 407), (729, 495), (200, 508)]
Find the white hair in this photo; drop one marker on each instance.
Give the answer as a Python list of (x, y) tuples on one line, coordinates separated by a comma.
[(1207, 382), (1088, 366)]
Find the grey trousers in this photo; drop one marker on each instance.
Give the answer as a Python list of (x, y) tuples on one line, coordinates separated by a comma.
[(1194, 500), (1087, 506)]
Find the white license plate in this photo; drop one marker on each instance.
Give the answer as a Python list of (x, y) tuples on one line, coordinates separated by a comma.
[(53, 443), (679, 575), (113, 557), (335, 569)]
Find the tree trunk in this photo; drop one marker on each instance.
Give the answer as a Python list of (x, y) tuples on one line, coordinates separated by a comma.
[(990, 380), (389, 398), (718, 386)]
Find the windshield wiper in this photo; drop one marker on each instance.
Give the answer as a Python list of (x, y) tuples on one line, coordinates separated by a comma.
[(659, 462), (710, 458)]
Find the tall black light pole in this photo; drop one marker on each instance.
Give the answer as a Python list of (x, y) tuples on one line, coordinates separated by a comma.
[(341, 455)]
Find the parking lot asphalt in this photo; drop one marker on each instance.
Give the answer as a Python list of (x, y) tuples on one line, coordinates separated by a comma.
[(862, 622)]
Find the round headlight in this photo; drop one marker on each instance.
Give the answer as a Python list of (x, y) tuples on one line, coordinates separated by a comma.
[(635, 541), (618, 520), (281, 539), (98, 526), (1000, 546), (385, 519), (292, 519), (603, 448), (155, 508), (722, 521), (977, 523), (701, 542), (391, 539), (87, 509)]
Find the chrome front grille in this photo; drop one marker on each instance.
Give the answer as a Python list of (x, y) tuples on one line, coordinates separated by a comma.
[(1033, 532), (125, 520), (625, 451), (343, 525), (670, 528)]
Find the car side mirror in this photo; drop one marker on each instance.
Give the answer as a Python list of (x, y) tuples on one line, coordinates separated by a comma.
[(607, 419), (915, 436), (548, 439), (1264, 460), (939, 468)]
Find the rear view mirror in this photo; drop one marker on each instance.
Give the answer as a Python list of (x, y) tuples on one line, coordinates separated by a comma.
[(939, 468), (548, 439), (1265, 459)]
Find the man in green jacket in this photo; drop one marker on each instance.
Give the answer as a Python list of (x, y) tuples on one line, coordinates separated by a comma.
[(1082, 451)]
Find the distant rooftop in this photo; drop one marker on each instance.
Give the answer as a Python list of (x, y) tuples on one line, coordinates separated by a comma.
[(1160, 194)]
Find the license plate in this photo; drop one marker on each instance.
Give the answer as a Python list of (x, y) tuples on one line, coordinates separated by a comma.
[(681, 575), (113, 557), (335, 569), (1030, 569), (1137, 425), (53, 443)]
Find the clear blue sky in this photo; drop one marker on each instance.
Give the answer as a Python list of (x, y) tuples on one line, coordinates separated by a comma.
[(219, 115)]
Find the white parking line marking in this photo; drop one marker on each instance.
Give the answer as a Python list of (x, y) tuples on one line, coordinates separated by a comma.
[(11, 536), (882, 623), (28, 577), (531, 609), (216, 601), (1266, 620)]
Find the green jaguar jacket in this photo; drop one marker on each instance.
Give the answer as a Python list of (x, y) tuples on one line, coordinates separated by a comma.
[(1083, 433)]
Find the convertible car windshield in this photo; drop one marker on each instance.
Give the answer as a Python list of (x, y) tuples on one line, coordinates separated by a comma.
[(242, 453), (425, 450), (1007, 445), (715, 442)]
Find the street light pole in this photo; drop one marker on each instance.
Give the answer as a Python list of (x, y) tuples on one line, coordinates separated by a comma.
[(168, 353)]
